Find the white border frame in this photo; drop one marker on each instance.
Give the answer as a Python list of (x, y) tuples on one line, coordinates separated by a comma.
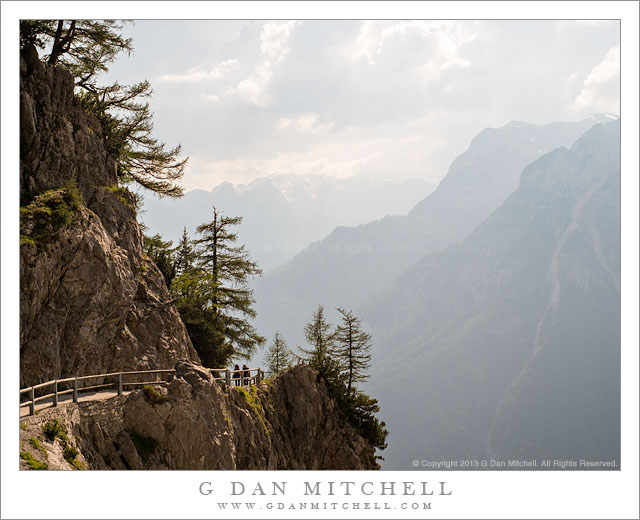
[(175, 494)]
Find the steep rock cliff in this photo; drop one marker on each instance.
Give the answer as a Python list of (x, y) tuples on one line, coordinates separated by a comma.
[(90, 301), (289, 422)]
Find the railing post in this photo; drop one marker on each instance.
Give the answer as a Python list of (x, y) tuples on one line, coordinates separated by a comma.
[(75, 390), (120, 383), (258, 377), (32, 406), (228, 377), (55, 393)]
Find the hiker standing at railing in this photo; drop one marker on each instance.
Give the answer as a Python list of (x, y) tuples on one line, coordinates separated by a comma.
[(237, 375), (246, 373)]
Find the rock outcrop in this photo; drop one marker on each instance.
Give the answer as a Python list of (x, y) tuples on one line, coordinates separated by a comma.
[(289, 422), (90, 300)]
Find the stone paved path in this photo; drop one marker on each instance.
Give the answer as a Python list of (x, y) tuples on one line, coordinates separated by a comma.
[(68, 398)]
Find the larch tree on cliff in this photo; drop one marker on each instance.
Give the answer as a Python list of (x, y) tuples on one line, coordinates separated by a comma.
[(215, 301), (278, 356), (352, 354), (86, 48), (320, 338), (342, 357), (352, 349)]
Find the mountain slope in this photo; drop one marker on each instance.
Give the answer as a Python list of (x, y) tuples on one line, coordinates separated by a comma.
[(507, 345), (352, 263)]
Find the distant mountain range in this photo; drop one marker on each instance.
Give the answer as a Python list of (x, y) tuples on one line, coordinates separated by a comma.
[(285, 213), (352, 263), (507, 345)]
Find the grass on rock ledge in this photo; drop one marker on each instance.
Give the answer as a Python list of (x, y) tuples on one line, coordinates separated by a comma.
[(42, 216)]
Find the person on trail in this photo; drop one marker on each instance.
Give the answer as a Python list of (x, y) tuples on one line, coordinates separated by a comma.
[(236, 376), (246, 374)]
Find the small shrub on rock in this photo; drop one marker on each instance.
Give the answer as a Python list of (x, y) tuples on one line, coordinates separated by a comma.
[(48, 211), (52, 429), (32, 462), (153, 395)]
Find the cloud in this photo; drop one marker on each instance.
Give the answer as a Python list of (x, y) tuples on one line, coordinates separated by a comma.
[(198, 74), (398, 151), (456, 62), (274, 39), (600, 91), (304, 123), (442, 40), (367, 44)]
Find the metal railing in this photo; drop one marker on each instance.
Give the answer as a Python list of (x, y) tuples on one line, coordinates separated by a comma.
[(116, 380), (238, 377)]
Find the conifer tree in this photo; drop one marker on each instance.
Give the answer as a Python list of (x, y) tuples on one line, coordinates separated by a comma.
[(216, 295), (185, 255), (161, 253), (278, 356), (84, 47), (342, 358), (228, 266), (319, 336), (205, 325), (127, 126), (352, 349)]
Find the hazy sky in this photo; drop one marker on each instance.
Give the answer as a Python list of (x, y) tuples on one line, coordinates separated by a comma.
[(387, 99)]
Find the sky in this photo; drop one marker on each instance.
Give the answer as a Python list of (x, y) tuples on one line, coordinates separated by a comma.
[(388, 100)]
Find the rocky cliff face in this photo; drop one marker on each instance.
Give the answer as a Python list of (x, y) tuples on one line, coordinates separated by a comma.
[(90, 301), (289, 422)]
